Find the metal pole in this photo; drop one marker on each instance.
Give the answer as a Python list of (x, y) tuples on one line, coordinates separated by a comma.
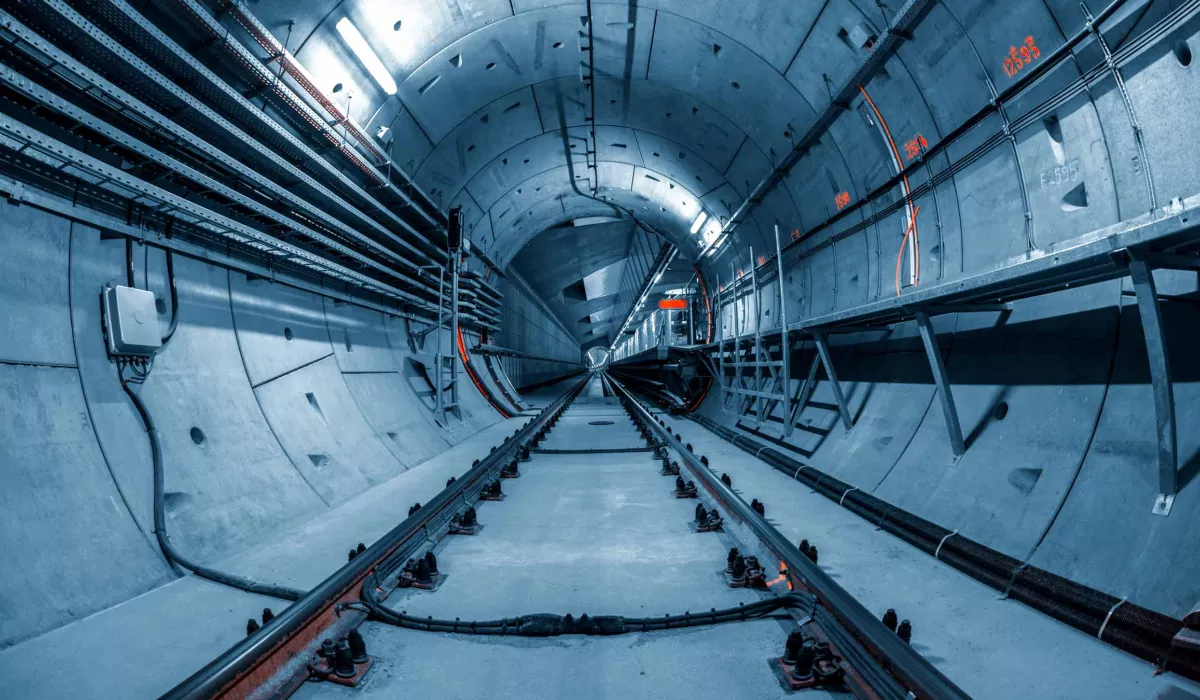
[(441, 320), (757, 403), (737, 370), (785, 348), (938, 365), (721, 343), (1160, 381), (455, 262)]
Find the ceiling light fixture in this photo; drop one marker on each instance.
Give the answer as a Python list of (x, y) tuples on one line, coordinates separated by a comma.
[(354, 39), (700, 219)]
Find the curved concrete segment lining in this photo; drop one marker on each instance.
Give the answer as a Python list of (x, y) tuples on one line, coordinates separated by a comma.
[(278, 408), (271, 404)]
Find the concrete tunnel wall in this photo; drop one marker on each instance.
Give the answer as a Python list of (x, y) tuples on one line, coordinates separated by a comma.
[(526, 326), (272, 404), (1065, 477)]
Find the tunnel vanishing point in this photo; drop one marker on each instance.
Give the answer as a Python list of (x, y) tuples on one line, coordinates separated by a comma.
[(662, 349)]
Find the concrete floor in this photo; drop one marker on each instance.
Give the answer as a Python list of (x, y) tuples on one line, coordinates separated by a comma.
[(992, 648), (594, 533)]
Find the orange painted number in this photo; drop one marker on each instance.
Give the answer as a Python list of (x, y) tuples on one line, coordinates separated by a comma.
[(915, 147), (1020, 57)]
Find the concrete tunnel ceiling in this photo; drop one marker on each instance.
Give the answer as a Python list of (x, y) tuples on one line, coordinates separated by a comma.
[(694, 103)]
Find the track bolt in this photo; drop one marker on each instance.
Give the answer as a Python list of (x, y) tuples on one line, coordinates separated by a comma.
[(361, 548), (701, 515), (726, 480), (890, 620), (905, 631), (432, 561), (251, 626), (802, 670), (704, 460), (328, 649), (343, 660), (791, 650), (267, 616), (733, 555), (414, 508), (358, 647), (449, 481), (353, 553), (804, 547), (758, 507), (422, 574), (689, 448), (812, 553), (739, 569)]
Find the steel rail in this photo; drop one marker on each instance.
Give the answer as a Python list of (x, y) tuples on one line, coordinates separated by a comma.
[(913, 670), (291, 635)]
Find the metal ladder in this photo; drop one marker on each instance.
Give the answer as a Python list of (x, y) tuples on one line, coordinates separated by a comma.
[(765, 386)]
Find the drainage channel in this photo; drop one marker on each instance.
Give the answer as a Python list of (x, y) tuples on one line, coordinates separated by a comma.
[(592, 572)]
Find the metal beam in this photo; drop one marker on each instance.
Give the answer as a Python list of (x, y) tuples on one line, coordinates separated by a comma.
[(805, 390), (938, 365), (827, 360), (1160, 380)]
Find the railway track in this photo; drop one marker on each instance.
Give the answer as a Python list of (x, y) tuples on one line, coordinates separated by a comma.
[(592, 538)]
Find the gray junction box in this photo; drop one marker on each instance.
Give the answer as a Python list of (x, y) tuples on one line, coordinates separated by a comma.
[(132, 321)]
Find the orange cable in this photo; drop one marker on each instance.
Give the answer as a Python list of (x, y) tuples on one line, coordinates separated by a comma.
[(907, 189)]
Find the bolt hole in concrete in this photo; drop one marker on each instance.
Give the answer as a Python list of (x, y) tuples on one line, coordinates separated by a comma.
[(160, 305), (600, 422), (1000, 411), (1183, 53), (197, 436), (287, 333)]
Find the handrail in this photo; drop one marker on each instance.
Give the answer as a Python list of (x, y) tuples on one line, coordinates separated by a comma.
[(912, 669), (242, 659)]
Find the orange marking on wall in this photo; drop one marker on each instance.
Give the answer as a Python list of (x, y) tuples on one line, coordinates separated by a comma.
[(1019, 57)]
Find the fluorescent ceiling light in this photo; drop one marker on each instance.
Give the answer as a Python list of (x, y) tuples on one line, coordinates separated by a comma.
[(354, 39), (700, 218)]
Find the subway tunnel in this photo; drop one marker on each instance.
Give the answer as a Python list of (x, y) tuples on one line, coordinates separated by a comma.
[(662, 349)]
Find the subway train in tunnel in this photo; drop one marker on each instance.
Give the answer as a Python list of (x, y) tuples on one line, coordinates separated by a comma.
[(593, 349)]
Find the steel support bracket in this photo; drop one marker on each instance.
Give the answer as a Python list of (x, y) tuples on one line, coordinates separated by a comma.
[(827, 360), (938, 365), (1142, 275)]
